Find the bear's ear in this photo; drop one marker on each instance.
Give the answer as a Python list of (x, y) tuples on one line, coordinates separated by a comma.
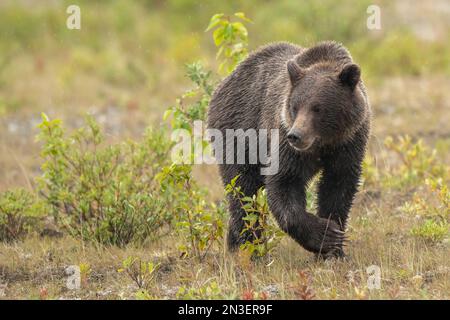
[(294, 70), (350, 75)]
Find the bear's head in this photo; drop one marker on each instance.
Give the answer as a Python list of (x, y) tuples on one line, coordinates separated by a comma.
[(325, 105)]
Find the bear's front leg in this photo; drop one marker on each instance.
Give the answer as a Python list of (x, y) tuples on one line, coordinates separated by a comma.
[(339, 183), (287, 201)]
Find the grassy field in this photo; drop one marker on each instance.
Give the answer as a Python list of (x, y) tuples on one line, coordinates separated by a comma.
[(126, 66)]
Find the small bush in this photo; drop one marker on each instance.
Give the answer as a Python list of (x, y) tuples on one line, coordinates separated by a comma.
[(209, 291), (142, 273), (193, 104), (431, 230), (198, 222), (104, 192), (257, 221), (417, 162), (20, 213), (231, 38), (431, 205)]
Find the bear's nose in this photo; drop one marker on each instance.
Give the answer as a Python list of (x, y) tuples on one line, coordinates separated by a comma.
[(294, 137)]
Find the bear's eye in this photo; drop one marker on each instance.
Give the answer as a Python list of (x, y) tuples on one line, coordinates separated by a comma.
[(316, 109)]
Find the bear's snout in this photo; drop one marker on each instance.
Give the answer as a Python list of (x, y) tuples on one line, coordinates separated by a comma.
[(294, 137), (299, 141)]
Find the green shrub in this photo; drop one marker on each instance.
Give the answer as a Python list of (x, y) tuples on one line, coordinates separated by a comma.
[(431, 206), (231, 38), (104, 192), (257, 221), (193, 104), (20, 213), (417, 162), (198, 222), (141, 272), (431, 230), (208, 291)]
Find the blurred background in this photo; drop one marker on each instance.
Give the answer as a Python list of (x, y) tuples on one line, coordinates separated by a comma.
[(126, 64)]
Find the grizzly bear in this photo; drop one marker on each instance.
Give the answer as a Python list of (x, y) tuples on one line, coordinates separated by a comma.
[(316, 99)]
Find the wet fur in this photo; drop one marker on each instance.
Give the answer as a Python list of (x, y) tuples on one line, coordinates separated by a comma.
[(257, 95)]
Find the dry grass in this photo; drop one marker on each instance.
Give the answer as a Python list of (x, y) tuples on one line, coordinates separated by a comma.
[(410, 268)]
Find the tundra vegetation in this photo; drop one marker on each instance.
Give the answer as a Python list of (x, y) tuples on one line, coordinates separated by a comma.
[(86, 176)]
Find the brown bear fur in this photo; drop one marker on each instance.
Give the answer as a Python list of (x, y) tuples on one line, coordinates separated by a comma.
[(316, 99)]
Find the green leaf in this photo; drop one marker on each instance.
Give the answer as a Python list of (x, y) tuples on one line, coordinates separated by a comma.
[(215, 20), (247, 199), (167, 114), (228, 32), (241, 29), (233, 181), (44, 117), (218, 36), (242, 16)]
